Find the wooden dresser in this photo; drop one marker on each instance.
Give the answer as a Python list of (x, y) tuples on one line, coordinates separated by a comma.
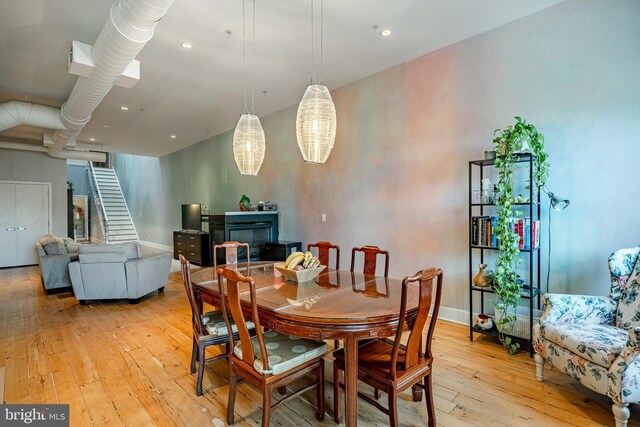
[(193, 245)]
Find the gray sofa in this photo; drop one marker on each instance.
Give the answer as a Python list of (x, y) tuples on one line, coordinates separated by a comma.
[(118, 272), (54, 255)]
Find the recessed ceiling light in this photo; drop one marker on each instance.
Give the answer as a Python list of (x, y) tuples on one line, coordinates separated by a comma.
[(385, 33), (186, 45), (92, 139), (173, 137), (124, 108)]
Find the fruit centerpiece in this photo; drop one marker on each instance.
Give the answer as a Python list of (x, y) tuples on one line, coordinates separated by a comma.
[(301, 267)]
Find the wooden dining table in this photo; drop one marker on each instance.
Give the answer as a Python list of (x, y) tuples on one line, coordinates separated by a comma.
[(336, 305)]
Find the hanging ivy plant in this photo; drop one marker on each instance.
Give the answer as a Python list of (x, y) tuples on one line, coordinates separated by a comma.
[(521, 137)]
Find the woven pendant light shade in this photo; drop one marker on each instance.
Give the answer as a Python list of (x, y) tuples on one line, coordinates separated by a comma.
[(316, 124), (248, 144)]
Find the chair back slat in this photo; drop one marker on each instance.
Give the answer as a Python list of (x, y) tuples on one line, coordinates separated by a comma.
[(230, 254), (188, 287), (413, 347), (370, 259), (323, 252), (233, 279)]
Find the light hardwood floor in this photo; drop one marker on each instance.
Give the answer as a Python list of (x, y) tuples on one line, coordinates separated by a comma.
[(121, 364)]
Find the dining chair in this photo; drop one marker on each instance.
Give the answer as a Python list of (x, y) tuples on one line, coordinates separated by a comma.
[(392, 367), (323, 252), (370, 259), (230, 253), (209, 329), (269, 360)]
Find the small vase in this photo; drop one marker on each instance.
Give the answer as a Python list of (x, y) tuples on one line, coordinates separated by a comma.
[(479, 279), (484, 322)]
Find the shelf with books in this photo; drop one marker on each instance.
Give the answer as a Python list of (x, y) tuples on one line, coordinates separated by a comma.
[(483, 246), (491, 248)]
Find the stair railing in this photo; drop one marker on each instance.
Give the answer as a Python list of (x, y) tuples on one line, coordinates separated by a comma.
[(97, 197), (126, 206)]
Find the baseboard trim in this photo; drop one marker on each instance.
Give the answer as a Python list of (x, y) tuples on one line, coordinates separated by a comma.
[(454, 315), (156, 246)]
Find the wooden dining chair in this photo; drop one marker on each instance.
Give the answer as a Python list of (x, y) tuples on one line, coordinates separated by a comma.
[(323, 252), (270, 360), (370, 259), (209, 329), (230, 253), (392, 367)]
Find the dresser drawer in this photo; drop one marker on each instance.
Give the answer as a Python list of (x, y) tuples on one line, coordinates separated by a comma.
[(193, 246)]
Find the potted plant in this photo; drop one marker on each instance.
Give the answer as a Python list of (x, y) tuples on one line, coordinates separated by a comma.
[(519, 138)]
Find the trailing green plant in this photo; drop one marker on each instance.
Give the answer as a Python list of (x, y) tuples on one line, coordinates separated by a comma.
[(521, 137)]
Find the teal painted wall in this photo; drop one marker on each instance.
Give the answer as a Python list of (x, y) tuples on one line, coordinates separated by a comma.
[(397, 176)]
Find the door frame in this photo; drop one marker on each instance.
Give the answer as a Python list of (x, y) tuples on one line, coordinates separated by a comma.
[(86, 214)]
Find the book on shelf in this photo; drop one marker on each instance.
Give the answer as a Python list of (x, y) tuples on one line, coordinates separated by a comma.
[(483, 232)]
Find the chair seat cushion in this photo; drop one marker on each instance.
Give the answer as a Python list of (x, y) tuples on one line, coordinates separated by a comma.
[(285, 352), (213, 322), (600, 344)]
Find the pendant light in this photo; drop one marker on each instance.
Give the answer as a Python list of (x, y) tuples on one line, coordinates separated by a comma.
[(248, 137), (316, 119)]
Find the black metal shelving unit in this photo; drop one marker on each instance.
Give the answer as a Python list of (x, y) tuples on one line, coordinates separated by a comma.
[(478, 253)]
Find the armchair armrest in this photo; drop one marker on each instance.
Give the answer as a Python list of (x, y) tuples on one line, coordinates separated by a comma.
[(54, 271), (633, 340), (578, 308), (147, 274)]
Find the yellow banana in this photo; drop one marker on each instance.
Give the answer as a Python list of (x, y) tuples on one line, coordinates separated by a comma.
[(307, 258), (295, 262), (290, 257)]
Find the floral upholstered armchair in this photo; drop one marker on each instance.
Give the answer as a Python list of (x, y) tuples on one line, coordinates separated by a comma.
[(596, 340)]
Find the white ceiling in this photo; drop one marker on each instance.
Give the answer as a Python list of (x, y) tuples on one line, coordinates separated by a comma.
[(198, 93)]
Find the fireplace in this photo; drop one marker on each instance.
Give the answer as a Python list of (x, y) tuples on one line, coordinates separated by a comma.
[(254, 228)]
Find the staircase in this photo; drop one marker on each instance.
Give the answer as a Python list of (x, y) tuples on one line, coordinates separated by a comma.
[(112, 209)]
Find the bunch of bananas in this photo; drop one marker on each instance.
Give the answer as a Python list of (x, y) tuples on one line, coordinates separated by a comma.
[(301, 261)]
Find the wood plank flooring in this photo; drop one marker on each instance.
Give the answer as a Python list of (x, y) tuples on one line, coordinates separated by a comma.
[(120, 364)]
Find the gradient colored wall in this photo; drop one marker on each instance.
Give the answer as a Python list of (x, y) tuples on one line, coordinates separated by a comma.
[(397, 176)]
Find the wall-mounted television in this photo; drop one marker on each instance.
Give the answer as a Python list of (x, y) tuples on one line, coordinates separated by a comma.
[(191, 217)]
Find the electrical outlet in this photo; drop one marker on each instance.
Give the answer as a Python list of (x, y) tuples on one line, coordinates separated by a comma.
[(324, 217)]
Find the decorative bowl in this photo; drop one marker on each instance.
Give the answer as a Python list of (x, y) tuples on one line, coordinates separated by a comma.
[(301, 275)]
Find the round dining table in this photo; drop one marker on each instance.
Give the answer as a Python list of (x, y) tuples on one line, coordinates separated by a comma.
[(336, 305)]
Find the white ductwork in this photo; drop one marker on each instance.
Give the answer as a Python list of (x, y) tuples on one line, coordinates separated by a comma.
[(16, 113), (93, 156), (130, 26)]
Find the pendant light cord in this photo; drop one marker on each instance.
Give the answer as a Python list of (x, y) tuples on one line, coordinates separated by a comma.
[(244, 59), (313, 74), (253, 56), (321, 38)]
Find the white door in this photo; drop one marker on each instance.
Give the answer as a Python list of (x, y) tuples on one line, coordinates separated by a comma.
[(32, 220), (7, 225), (24, 218)]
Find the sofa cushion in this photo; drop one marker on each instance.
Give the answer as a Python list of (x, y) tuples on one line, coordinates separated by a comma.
[(104, 257), (52, 245), (284, 352), (70, 245), (131, 250), (600, 344)]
